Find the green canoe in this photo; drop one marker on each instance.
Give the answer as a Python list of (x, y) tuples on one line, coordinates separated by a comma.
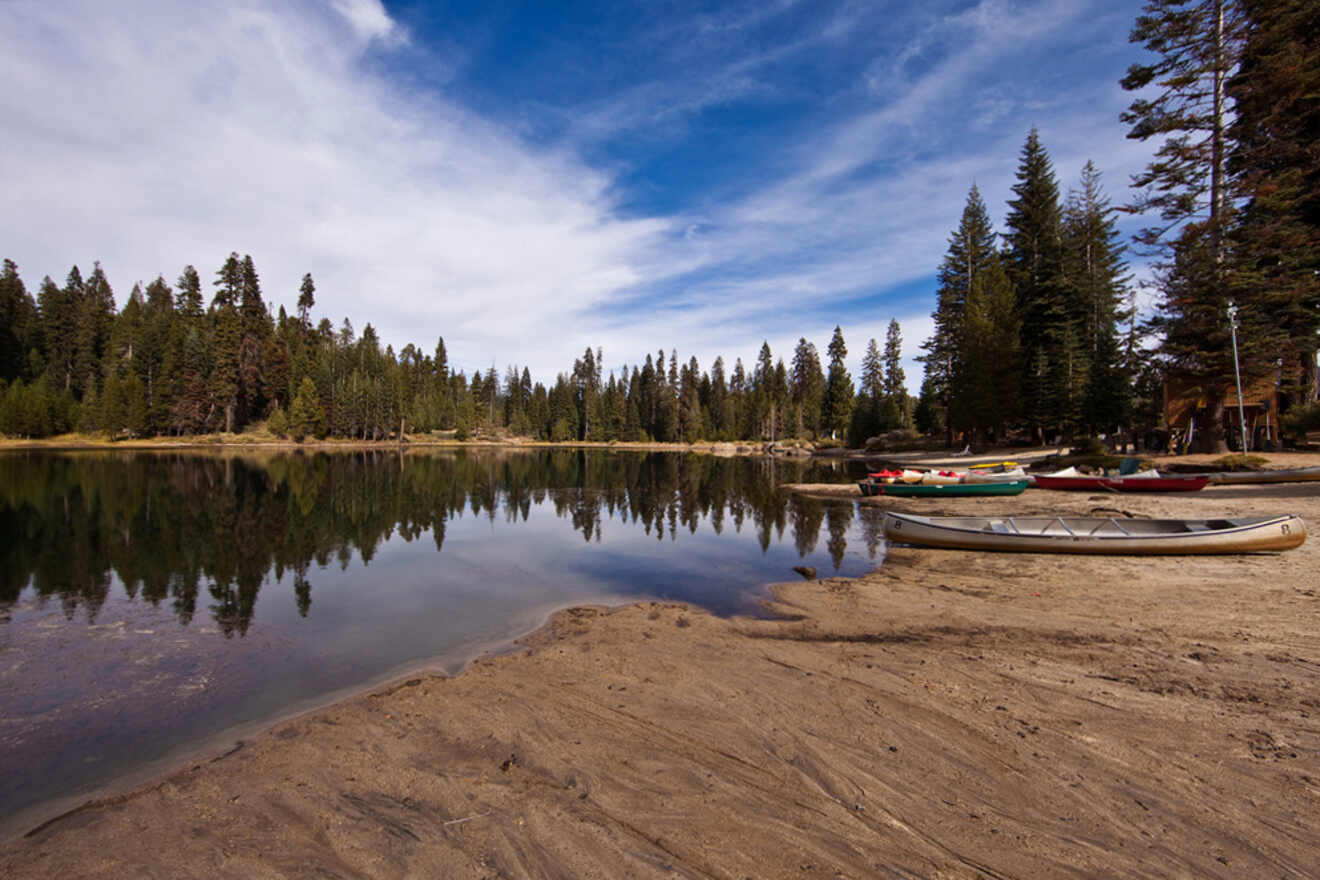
[(911, 490)]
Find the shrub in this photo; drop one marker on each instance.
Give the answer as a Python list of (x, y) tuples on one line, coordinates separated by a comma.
[(278, 423), (1301, 419)]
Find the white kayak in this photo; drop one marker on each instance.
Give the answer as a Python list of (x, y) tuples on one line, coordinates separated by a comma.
[(1113, 535)]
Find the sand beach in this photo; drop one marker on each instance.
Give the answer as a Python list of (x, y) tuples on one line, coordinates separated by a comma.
[(949, 715)]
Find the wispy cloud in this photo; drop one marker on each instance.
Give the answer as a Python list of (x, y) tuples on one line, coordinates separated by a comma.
[(149, 134)]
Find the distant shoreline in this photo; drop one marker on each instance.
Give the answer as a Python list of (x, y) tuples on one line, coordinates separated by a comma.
[(241, 442)]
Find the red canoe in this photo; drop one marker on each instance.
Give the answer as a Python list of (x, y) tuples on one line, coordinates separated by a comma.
[(1125, 484)]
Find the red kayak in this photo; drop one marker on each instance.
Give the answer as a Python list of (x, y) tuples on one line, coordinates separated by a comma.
[(1189, 483)]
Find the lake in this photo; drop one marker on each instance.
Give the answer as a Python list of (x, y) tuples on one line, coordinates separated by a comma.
[(156, 603)]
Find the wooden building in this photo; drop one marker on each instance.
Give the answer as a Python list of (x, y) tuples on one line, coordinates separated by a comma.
[(1185, 411)]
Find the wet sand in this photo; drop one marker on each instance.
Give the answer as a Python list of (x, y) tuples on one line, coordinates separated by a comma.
[(951, 714)]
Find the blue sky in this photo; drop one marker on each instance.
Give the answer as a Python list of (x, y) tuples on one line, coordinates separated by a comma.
[(527, 180)]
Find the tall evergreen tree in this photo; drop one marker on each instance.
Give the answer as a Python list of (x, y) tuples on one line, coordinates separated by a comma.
[(1096, 283), (763, 380), (971, 249), (18, 324), (1198, 46), (895, 382), (871, 412), (987, 375), (838, 402), (1274, 158), (58, 319), (96, 315), (1035, 269), (149, 356), (256, 331), (306, 299), (873, 371), (225, 380), (807, 387)]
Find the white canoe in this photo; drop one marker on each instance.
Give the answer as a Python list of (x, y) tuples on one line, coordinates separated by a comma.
[(1076, 534), (1293, 475), (1008, 475)]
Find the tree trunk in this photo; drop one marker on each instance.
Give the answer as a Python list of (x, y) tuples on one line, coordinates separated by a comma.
[(1307, 379), (1211, 437)]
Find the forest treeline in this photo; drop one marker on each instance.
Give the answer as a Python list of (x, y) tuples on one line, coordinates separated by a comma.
[(170, 363), (1038, 334)]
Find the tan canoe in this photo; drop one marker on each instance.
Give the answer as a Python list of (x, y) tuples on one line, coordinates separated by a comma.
[(1075, 534)]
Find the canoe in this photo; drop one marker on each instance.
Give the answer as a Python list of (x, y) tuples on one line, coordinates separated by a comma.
[(1146, 481), (928, 478), (1293, 475), (1068, 534), (938, 490), (946, 477), (1004, 476)]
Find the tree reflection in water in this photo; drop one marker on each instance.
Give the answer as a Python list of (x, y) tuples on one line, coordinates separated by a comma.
[(177, 528)]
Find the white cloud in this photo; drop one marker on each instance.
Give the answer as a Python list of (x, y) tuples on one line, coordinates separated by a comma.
[(369, 20), (153, 134), (150, 135)]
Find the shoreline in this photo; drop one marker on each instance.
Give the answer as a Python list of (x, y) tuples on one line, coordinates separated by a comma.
[(948, 714), (240, 442), (33, 819)]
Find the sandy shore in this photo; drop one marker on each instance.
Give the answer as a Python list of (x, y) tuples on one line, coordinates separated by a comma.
[(948, 715)]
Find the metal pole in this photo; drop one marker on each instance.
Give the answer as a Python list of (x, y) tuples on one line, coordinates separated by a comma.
[(1237, 374)]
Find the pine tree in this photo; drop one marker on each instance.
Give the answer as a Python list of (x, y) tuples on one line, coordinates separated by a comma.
[(306, 299), (988, 374), (763, 393), (256, 331), (1198, 45), (719, 405), (807, 387), (928, 416), (187, 356), (58, 319), (691, 423), (18, 322), (869, 415), (971, 248), (305, 415), (149, 355), (873, 371), (1035, 269), (895, 382), (1274, 159), (838, 402), (225, 380), (1097, 285), (188, 300)]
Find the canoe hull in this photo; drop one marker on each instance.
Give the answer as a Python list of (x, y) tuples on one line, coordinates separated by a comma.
[(1099, 536), (1295, 475), (1124, 484), (950, 490)]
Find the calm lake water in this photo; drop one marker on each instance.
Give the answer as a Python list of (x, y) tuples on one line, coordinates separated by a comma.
[(153, 603)]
